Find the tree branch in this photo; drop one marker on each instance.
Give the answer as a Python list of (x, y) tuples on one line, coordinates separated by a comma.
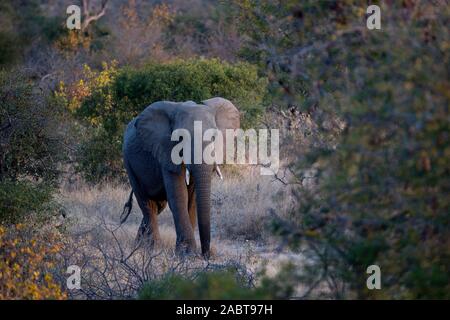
[(88, 18)]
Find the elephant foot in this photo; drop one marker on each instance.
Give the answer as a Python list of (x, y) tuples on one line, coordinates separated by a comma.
[(186, 248), (206, 255), (211, 253)]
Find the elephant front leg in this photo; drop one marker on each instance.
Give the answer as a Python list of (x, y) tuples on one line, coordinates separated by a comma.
[(192, 205), (177, 196)]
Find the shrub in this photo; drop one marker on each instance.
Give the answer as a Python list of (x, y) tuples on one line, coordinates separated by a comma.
[(29, 127), (26, 264), (8, 49), (30, 147), (208, 285), (23, 199), (107, 100), (98, 157), (24, 27), (194, 80), (383, 192)]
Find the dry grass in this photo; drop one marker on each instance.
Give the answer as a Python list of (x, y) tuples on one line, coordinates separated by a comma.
[(241, 206)]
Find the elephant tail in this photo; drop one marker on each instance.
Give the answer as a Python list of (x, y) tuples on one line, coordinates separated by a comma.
[(127, 208)]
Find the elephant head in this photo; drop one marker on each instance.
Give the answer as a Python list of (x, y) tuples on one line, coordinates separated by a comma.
[(155, 125)]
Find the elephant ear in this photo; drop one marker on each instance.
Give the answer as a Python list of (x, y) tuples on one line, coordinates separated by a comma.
[(154, 129), (227, 115)]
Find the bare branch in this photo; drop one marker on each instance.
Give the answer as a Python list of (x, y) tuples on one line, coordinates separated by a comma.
[(88, 17)]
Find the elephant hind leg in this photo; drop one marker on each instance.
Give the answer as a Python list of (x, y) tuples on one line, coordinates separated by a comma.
[(161, 205), (148, 233)]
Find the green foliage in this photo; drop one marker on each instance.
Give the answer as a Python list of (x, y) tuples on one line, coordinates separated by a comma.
[(8, 49), (285, 35), (382, 194), (21, 200), (208, 285), (99, 158), (24, 23), (29, 123), (108, 100), (30, 148), (196, 80)]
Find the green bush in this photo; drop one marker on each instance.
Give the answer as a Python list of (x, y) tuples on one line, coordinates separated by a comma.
[(382, 191), (8, 49), (31, 148), (24, 26), (194, 80), (98, 157), (106, 101), (208, 285), (30, 124), (21, 200)]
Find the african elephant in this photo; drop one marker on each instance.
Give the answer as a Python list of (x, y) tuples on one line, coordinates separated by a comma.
[(156, 180)]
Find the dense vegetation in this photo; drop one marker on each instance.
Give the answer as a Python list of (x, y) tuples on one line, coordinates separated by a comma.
[(379, 159), (212, 285), (31, 152), (382, 192), (107, 100)]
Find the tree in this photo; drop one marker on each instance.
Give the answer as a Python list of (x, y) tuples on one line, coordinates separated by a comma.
[(31, 148), (88, 16), (382, 188)]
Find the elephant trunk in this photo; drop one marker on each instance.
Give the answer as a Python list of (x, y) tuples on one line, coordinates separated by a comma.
[(202, 179)]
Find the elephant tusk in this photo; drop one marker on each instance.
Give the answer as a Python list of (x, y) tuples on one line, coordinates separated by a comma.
[(187, 176), (217, 169)]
